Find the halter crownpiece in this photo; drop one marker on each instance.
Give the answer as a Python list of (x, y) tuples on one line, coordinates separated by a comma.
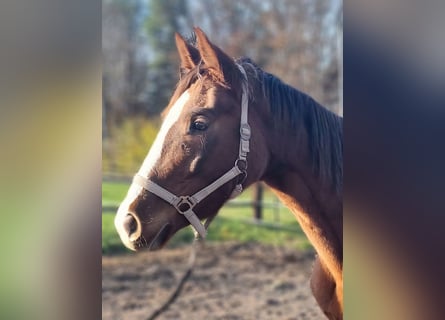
[(185, 204)]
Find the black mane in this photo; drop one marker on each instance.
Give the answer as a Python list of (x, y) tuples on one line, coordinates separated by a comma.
[(292, 108)]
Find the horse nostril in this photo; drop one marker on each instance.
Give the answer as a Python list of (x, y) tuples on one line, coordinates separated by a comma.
[(130, 224)]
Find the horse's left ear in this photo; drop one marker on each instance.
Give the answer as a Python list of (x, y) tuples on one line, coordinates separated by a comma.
[(188, 54), (219, 63)]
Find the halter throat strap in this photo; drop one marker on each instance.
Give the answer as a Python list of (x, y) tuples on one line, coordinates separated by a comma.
[(185, 204)]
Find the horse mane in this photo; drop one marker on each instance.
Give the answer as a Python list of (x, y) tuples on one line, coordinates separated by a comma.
[(290, 108)]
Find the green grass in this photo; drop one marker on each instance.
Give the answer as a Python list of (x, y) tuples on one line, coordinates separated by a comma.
[(231, 224), (113, 192)]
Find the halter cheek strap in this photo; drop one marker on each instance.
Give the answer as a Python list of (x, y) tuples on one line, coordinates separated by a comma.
[(185, 204)]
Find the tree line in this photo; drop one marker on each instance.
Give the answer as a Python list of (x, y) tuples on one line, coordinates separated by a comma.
[(293, 39)]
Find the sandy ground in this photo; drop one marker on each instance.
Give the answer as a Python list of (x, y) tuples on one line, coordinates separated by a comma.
[(230, 282)]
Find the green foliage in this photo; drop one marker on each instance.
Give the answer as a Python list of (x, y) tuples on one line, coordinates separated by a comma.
[(128, 145)]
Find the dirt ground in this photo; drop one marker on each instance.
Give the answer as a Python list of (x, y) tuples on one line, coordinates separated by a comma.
[(230, 282)]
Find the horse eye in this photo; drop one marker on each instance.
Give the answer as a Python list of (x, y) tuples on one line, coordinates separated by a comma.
[(199, 125)]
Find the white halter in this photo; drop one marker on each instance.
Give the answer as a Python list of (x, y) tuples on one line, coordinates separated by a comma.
[(185, 204)]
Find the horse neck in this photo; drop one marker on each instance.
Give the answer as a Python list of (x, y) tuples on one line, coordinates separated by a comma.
[(315, 203), (290, 174), (291, 165)]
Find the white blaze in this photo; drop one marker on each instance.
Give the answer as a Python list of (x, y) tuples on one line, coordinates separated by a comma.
[(155, 151), (153, 156)]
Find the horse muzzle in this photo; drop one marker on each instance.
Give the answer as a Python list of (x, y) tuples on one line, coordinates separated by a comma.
[(129, 229)]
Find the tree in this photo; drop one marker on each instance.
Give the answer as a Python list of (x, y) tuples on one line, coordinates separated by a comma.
[(163, 20), (295, 40), (124, 62)]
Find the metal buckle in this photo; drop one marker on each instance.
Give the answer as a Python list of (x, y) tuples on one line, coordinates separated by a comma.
[(245, 131), (184, 204)]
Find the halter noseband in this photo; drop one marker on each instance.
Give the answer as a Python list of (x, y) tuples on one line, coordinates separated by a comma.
[(185, 204)]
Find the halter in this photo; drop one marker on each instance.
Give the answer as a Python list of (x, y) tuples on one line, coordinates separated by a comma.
[(185, 204)]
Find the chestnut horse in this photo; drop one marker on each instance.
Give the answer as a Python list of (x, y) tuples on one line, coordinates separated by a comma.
[(228, 125)]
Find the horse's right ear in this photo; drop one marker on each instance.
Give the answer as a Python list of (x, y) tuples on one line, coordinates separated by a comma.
[(188, 54), (215, 60)]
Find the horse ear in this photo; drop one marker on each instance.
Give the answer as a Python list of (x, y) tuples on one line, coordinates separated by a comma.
[(188, 54), (219, 63)]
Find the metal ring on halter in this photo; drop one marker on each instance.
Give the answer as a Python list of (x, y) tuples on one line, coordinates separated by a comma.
[(242, 169), (184, 204), (243, 166)]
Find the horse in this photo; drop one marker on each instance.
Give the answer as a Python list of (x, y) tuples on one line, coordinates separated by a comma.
[(229, 124)]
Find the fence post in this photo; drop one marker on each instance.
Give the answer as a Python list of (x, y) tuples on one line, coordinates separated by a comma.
[(258, 201)]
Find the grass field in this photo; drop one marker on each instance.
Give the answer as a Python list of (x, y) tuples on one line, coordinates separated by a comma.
[(278, 226)]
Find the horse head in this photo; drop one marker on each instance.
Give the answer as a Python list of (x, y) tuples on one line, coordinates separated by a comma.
[(202, 153)]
